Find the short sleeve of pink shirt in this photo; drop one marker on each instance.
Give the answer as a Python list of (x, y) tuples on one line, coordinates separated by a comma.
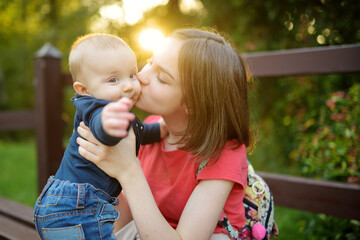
[(171, 177)]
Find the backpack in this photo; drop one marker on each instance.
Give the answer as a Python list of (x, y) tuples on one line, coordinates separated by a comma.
[(259, 210)]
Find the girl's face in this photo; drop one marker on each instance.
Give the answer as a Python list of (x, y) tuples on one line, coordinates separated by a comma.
[(161, 90)]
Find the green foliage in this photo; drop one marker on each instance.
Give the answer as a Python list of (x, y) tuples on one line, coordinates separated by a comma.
[(283, 24), (331, 151), (322, 227), (25, 26), (283, 108)]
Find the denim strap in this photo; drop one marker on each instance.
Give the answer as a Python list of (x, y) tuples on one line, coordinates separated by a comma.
[(81, 196)]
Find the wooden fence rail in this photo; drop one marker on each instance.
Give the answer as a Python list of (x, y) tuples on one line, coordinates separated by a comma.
[(337, 199), (305, 61)]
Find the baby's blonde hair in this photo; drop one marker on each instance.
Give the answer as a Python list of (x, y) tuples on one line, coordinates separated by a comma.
[(87, 42)]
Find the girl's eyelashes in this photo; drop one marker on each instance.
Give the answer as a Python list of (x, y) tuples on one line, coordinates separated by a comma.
[(160, 80), (150, 62)]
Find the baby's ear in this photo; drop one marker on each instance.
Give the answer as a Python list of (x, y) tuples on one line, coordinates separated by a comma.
[(80, 88)]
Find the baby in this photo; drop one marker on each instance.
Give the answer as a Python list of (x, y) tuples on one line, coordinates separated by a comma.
[(79, 200)]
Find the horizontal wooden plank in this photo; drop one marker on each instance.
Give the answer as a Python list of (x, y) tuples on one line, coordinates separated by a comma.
[(12, 230), (16, 221), (305, 61), (331, 198), (17, 211), (14, 120)]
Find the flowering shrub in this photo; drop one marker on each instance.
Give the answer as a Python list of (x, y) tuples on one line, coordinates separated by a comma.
[(332, 152)]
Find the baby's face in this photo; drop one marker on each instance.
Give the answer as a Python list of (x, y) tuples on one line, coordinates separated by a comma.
[(111, 74)]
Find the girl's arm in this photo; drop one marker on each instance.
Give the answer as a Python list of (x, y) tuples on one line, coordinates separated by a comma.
[(125, 216), (201, 212)]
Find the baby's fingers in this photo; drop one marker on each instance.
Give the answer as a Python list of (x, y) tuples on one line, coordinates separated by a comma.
[(125, 101), (120, 133), (122, 105), (116, 127)]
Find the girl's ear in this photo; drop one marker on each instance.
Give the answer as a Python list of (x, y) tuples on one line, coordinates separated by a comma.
[(80, 88)]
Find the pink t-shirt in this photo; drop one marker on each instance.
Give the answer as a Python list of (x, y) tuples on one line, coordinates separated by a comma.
[(171, 177)]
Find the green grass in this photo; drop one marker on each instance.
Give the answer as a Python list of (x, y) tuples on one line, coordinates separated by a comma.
[(18, 173), (289, 223)]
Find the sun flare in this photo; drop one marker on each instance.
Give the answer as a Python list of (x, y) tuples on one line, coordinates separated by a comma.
[(151, 38), (129, 11)]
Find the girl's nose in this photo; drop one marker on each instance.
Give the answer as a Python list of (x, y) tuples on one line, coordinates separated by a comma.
[(142, 77)]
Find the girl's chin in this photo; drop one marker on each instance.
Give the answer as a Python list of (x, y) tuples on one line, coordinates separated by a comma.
[(138, 103), (135, 98)]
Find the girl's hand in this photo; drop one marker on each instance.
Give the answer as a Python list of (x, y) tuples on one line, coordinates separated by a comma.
[(115, 161)]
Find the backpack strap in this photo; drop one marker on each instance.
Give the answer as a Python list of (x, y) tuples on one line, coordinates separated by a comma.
[(201, 167), (225, 223)]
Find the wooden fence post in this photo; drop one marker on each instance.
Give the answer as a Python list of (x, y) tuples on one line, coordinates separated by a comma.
[(48, 108)]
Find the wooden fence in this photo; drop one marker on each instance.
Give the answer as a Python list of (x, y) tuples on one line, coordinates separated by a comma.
[(332, 198)]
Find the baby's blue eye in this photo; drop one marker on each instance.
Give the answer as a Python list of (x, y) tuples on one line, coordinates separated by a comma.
[(113, 80)]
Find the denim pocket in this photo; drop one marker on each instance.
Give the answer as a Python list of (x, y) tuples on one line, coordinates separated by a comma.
[(108, 213), (49, 200), (107, 216), (69, 233)]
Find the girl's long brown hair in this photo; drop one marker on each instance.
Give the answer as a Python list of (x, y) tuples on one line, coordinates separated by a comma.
[(215, 91)]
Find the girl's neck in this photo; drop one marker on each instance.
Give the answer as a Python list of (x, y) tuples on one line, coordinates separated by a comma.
[(169, 141), (176, 126)]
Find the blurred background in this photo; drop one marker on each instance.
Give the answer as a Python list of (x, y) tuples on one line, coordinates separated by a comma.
[(295, 137)]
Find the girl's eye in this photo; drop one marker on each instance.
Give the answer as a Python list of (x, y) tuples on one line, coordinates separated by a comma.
[(160, 80), (132, 76), (113, 80)]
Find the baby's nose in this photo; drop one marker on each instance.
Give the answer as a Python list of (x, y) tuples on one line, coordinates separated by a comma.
[(128, 88)]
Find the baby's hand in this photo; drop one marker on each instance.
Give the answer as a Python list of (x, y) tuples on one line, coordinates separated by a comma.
[(116, 117), (163, 128)]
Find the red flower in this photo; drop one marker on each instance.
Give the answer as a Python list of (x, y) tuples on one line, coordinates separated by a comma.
[(338, 117), (353, 152), (330, 136), (331, 104), (354, 179), (339, 94)]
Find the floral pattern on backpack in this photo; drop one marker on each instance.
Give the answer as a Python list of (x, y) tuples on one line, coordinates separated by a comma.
[(259, 210)]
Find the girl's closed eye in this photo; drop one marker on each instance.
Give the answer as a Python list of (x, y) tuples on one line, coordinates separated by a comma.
[(162, 81)]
